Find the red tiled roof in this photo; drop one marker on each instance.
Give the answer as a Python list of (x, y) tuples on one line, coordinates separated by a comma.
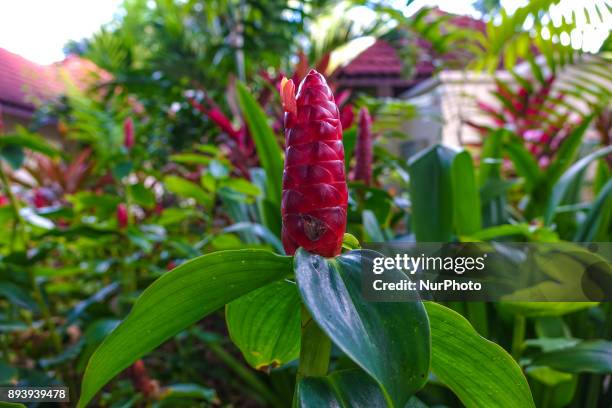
[(24, 83), (378, 59), (382, 59)]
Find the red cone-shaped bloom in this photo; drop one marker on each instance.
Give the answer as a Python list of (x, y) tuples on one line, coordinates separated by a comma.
[(363, 148), (314, 184)]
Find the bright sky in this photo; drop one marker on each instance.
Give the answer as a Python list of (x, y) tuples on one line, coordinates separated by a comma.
[(39, 29)]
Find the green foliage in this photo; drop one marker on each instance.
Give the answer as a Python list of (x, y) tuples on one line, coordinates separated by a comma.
[(368, 332), (265, 325), (176, 301), (480, 372)]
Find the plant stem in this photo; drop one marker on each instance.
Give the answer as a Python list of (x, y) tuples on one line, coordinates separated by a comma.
[(315, 349), (518, 336), (593, 390), (246, 375)]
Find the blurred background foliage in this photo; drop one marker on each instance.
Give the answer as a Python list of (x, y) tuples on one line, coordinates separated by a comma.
[(176, 151)]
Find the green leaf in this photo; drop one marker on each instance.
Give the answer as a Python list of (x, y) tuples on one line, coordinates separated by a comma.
[(493, 211), (586, 357), (349, 139), (13, 155), (431, 194), (190, 158), (341, 389), (242, 186), (371, 227), (268, 151), (191, 391), (258, 230), (187, 189), (265, 325), (466, 197), (142, 195), (539, 309), (17, 296), (32, 141), (567, 179), (479, 372), (568, 150), (389, 341), (350, 242), (122, 169), (598, 218), (524, 163), (177, 300)]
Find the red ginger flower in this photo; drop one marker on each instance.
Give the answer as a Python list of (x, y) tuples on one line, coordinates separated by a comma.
[(363, 148), (314, 184)]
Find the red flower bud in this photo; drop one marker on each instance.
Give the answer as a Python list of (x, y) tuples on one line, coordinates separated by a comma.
[(122, 215), (128, 133), (347, 116), (314, 184), (3, 200), (363, 148)]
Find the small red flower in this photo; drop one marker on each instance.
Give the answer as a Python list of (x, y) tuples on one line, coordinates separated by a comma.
[(363, 148), (314, 184), (347, 116), (122, 215), (128, 133)]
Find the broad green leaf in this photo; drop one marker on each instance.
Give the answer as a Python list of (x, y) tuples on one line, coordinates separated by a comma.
[(268, 151), (479, 372), (389, 341), (187, 189), (539, 309), (341, 389), (431, 194), (586, 357), (566, 180), (466, 197), (177, 300), (598, 218), (265, 325)]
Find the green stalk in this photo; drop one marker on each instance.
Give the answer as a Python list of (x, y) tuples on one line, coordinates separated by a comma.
[(315, 349), (593, 390), (518, 336)]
